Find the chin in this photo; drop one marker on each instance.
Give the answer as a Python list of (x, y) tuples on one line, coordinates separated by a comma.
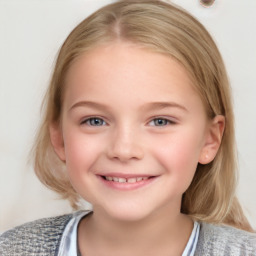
[(128, 213)]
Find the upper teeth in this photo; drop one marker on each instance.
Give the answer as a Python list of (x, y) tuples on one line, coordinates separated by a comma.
[(123, 180)]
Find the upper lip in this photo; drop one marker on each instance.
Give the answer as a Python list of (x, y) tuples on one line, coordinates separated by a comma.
[(125, 175)]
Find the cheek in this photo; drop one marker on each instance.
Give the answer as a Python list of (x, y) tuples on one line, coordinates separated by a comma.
[(81, 151), (179, 154), (81, 155)]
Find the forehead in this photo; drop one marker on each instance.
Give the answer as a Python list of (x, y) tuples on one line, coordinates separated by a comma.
[(129, 71)]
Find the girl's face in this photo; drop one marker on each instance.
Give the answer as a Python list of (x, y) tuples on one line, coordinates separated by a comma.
[(133, 131)]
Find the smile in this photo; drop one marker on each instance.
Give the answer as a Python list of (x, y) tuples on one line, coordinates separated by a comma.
[(125, 180)]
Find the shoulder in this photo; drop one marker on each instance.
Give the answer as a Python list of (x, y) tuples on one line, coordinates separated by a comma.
[(40, 237), (225, 240)]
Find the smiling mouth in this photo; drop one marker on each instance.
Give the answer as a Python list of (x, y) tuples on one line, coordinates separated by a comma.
[(125, 180)]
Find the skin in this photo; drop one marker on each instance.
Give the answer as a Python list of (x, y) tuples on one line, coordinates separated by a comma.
[(130, 112)]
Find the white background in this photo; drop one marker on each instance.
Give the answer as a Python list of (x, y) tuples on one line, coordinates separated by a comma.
[(31, 33)]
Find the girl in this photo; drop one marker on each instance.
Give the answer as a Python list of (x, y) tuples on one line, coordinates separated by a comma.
[(138, 121)]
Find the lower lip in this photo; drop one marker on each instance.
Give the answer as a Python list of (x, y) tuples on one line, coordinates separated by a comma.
[(127, 186)]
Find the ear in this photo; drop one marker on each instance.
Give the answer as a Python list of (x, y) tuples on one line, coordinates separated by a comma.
[(213, 139), (57, 141)]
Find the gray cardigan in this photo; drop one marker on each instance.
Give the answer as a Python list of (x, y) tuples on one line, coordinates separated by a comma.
[(42, 238)]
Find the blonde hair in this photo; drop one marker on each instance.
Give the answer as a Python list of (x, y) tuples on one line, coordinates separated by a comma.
[(168, 29)]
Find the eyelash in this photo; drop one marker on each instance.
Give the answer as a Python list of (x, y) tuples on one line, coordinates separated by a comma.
[(164, 122), (94, 121)]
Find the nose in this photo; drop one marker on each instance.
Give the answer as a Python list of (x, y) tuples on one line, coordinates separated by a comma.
[(125, 145)]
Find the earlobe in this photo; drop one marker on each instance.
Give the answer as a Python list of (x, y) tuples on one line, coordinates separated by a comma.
[(213, 139), (57, 141)]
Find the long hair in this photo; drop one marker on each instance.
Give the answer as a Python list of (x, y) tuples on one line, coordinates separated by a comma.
[(167, 29)]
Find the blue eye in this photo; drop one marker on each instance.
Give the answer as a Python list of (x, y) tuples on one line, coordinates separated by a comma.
[(160, 122), (94, 121)]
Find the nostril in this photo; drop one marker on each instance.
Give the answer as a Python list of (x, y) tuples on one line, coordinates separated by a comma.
[(207, 3)]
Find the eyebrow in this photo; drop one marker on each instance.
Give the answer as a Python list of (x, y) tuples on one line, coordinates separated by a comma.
[(162, 105), (89, 104), (147, 106)]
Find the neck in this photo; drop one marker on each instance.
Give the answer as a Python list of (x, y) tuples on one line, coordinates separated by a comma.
[(169, 231)]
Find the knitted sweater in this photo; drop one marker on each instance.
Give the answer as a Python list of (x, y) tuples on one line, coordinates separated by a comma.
[(42, 238)]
